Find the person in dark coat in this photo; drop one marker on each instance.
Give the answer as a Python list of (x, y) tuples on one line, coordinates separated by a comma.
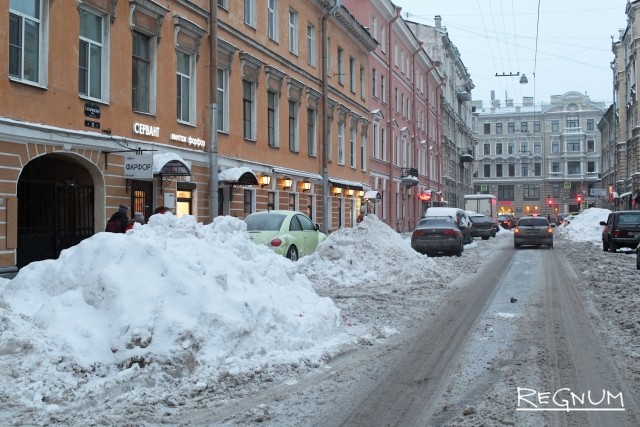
[(118, 221)]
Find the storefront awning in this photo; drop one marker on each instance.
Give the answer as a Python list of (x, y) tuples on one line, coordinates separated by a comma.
[(297, 173), (234, 176), (170, 164), (615, 195), (350, 185), (627, 194), (372, 194)]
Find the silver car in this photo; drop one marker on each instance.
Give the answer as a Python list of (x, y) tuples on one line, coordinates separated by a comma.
[(533, 231)]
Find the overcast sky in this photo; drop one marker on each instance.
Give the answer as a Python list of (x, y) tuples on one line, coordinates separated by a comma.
[(573, 40)]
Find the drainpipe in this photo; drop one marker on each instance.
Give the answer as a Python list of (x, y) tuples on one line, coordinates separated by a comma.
[(326, 200), (213, 122), (414, 119), (433, 65), (439, 137), (392, 186)]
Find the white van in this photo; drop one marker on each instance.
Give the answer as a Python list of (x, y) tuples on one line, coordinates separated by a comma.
[(461, 217)]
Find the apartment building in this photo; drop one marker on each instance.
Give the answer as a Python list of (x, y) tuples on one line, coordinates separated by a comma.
[(626, 183), (107, 103), (540, 158), (457, 137), (405, 157)]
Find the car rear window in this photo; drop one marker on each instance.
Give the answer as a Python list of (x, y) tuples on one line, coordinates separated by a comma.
[(480, 219), (629, 218), (264, 222), (533, 222), (436, 222)]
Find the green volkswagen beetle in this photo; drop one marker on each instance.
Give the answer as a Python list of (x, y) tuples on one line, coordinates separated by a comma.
[(288, 233)]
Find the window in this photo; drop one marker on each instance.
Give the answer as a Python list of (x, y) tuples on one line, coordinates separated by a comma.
[(555, 126), (505, 192), (376, 140), (374, 28), (499, 170), (499, 128), (524, 171), (511, 127), (292, 207), (591, 167), (352, 74), (487, 149), (250, 12), (223, 3), (383, 40), (248, 110), (555, 167), (511, 148), (27, 44), (340, 66), (536, 127), (572, 122), (363, 152), (293, 32), (311, 131), (272, 119), (248, 201), (341, 129), (524, 147), (272, 19), (92, 55), (591, 145), (556, 190), (537, 169), (512, 170), (293, 126), (185, 87), (222, 99), (311, 45), (531, 192), (524, 127), (590, 124), (487, 171), (537, 146), (363, 83), (383, 87), (573, 146), (374, 87), (573, 168), (141, 70), (352, 147), (487, 128), (499, 148), (555, 146)]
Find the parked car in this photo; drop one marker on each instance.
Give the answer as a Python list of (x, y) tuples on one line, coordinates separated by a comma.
[(621, 230), (288, 233), (482, 226), (507, 221), (560, 219), (459, 216), (533, 231), (438, 234)]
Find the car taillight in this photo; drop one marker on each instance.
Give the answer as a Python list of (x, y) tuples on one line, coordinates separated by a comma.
[(418, 233), (549, 230), (449, 233), (276, 242), (516, 230), (617, 233)]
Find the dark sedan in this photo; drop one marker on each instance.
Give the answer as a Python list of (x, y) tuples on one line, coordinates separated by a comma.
[(507, 221), (437, 234), (533, 231), (621, 230), (482, 227)]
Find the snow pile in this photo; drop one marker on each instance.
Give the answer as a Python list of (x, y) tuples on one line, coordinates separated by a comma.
[(371, 253), (172, 295), (585, 227)]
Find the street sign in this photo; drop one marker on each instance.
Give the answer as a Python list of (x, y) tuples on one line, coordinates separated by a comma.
[(598, 192), (567, 184)]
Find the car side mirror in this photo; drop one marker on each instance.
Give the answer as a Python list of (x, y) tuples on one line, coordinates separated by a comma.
[(316, 226), (603, 223)]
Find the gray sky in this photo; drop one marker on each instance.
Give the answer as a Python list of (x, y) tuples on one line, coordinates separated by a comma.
[(573, 40)]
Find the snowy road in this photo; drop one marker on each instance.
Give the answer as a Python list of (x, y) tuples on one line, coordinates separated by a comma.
[(477, 358)]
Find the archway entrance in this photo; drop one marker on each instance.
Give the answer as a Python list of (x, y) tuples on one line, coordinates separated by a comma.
[(55, 207)]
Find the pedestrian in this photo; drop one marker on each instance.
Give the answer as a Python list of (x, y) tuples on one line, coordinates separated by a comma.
[(360, 216), (138, 217), (161, 210), (118, 221)]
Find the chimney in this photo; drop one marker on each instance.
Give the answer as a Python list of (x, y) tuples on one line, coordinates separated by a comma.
[(509, 102), (438, 20), (527, 101), (493, 95), (495, 103)]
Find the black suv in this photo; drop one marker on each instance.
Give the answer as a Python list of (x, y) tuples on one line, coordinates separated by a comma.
[(621, 230)]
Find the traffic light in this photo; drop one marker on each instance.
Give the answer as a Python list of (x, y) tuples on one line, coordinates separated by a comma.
[(579, 198), (549, 200)]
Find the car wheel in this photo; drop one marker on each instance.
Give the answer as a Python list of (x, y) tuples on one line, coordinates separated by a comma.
[(613, 247), (485, 237), (292, 253), (638, 259), (459, 253), (516, 246), (551, 246)]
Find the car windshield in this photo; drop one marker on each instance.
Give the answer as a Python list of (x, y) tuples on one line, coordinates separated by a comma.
[(436, 222), (533, 222), (264, 222)]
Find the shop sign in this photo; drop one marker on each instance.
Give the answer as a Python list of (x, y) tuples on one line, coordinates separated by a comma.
[(187, 139), (147, 130), (91, 109), (92, 124), (138, 166)]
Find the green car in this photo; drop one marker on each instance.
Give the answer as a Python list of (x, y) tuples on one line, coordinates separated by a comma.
[(288, 233)]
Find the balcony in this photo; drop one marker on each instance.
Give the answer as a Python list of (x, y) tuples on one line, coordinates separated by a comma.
[(466, 156), (409, 177)]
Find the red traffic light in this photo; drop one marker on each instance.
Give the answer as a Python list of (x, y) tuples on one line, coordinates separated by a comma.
[(579, 198), (550, 202)]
